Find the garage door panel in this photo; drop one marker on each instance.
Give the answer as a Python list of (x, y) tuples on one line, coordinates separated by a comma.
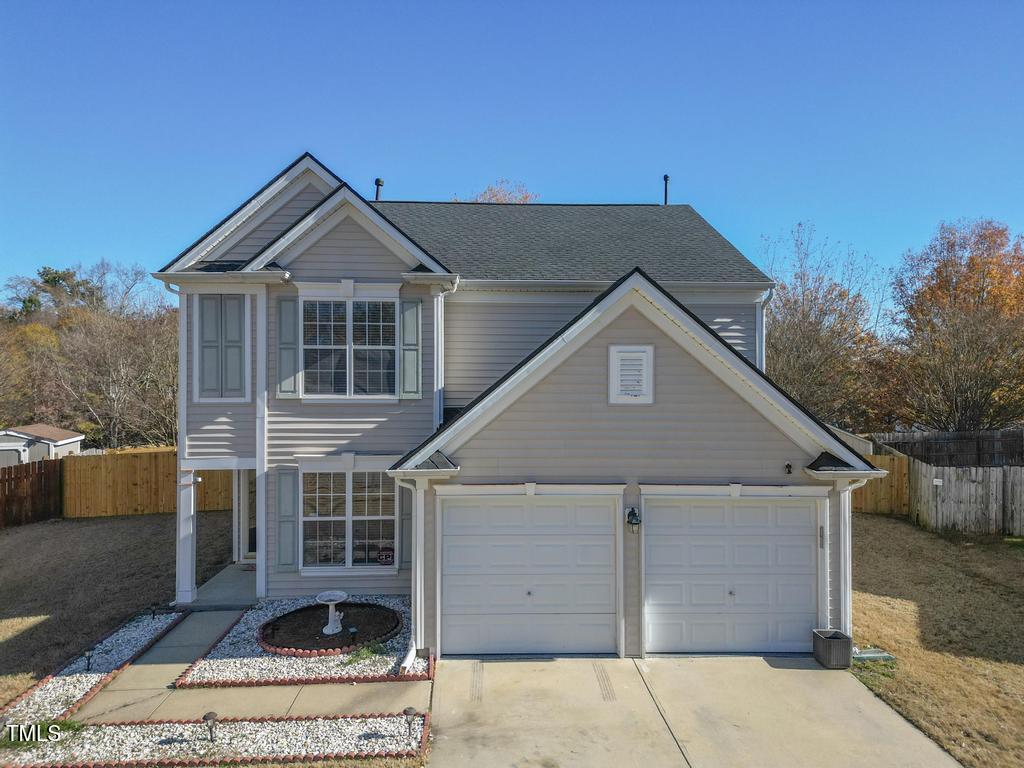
[(508, 594), (533, 576), (486, 516), (730, 575), (528, 554), (713, 633), (682, 554), (760, 594), (544, 633)]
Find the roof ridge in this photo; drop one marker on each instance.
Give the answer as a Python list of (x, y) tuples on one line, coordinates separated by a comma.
[(536, 205)]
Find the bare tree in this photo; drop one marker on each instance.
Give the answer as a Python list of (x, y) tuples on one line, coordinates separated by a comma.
[(822, 326)]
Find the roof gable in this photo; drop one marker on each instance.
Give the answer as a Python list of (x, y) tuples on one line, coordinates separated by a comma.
[(301, 172), (637, 290), (343, 201)]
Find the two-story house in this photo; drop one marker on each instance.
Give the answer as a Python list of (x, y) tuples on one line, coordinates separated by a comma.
[(547, 424)]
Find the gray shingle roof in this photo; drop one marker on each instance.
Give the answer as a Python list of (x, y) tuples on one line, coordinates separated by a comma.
[(489, 241)]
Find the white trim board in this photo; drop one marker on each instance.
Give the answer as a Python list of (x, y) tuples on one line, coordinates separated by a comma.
[(216, 463), (637, 292)]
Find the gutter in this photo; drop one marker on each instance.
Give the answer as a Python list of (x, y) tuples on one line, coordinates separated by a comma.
[(847, 474), (257, 278)]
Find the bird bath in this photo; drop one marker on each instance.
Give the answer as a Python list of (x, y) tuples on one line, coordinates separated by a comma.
[(331, 599)]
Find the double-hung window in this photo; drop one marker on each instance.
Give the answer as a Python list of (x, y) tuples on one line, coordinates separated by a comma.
[(349, 519), (349, 348)]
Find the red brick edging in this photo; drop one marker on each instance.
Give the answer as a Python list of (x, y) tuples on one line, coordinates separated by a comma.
[(168, 762), (182, 680), (309, 653), (103, 681)]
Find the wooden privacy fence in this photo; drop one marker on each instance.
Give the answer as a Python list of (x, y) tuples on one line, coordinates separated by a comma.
[(889, 495), (135, 483), (30, 492), (967, 499)]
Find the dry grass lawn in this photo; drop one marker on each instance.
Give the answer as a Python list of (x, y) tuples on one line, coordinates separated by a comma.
[(952, 611), (66, 583)]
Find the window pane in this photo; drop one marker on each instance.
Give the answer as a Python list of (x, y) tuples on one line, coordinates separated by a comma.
[(323, 543), (373, 494), (325, 372), (373, 371), (373, 542)]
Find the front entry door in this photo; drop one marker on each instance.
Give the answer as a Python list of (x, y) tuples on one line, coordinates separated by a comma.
[(246, 532)]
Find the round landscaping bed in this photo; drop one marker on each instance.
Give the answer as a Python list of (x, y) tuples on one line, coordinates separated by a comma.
[(300, 632)]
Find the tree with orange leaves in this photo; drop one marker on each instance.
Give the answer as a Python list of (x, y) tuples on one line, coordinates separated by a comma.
[(959, 351)]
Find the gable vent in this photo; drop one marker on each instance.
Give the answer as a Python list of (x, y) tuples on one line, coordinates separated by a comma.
[(630, 374)]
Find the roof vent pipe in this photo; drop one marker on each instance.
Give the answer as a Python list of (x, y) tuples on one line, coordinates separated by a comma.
[(665, 179), (378, 183)]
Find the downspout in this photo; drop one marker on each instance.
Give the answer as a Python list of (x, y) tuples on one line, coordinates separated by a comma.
[(417, 567)]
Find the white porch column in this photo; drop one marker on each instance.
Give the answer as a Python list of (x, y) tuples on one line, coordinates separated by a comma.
[(185, 562), (845, 556), (418, 539)]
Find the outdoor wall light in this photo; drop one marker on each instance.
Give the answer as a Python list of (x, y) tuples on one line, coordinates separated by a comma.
[(633, 519), (789, 468), (210, 718)]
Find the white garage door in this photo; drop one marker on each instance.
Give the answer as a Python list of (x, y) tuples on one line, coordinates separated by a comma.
[(528, 574), (730, 575)]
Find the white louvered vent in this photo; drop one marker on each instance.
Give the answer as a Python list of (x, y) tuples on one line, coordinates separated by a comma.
[(630, 374)]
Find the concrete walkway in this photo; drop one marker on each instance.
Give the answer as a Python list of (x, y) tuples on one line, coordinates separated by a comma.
[(144, 691), (701, 712)]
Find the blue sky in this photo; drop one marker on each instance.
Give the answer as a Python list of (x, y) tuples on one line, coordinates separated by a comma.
[(127, 129)]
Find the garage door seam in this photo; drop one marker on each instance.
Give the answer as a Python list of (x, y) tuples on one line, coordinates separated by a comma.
[(661, 711)]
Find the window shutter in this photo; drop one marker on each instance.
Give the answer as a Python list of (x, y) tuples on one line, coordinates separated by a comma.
[(288, 348), (630, 374), (411, 367), (209, 345), (287, 516), (233, 346)]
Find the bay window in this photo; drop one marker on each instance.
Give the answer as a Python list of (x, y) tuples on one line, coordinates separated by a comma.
[(349, 519)]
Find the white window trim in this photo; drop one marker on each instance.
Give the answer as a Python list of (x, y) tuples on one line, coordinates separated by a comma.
[(246, 347), (349, 463), (614, 350), (347, 295)]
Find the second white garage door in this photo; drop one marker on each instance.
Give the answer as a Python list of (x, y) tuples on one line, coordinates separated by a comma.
[(528, 574), (730, 575)]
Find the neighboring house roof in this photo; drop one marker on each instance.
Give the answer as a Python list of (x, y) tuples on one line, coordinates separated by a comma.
[(44, 432), (534, 241), (641, 291)]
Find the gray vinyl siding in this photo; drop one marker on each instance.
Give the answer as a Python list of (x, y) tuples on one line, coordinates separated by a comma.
[(301, 427), (276, 223), (563, 430), (220, 430), (484, 340), (347, 251)]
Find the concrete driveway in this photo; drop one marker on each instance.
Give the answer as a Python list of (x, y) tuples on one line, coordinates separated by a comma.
[(702, 712)]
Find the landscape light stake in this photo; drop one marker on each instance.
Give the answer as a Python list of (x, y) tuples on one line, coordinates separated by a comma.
[(152, 610), (88, 660), (410, 715), (352, 632), (210, 718)]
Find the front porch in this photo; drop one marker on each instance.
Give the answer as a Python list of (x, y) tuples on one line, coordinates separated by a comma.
[(234, 587)]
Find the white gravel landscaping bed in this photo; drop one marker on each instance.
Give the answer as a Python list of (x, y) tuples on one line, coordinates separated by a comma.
[(245, 739), (52, 698), (238, 657)]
